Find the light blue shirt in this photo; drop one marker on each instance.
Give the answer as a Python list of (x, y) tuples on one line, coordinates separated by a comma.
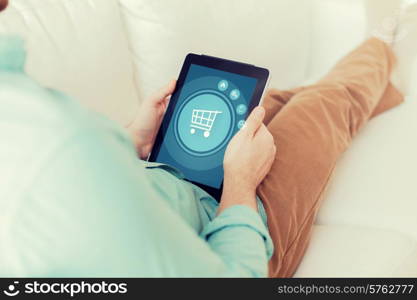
[(75, 201)]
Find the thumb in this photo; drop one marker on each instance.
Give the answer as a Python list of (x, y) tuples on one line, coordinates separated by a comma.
[(254, 120), (165, 91)]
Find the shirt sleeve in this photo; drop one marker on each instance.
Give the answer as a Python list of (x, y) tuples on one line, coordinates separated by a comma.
[(240, 237), (93, 213)]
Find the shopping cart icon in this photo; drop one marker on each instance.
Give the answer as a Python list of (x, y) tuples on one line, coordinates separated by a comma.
[(203, 120)]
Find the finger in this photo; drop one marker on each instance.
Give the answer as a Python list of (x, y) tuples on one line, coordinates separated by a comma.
[(264, 139), (144, 152), (274, 152), (166, 91), (267, 166), (254, 120), (262, 135), (271, 148), (165, 102), (271, 159)]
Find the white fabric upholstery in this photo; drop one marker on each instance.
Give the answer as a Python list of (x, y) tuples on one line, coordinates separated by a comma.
[(337, 27), (354, 251), (269, 33), (368, 223), (80, 47), (375, 182)]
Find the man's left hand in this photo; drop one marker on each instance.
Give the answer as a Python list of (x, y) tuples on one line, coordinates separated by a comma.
[(148, 120)]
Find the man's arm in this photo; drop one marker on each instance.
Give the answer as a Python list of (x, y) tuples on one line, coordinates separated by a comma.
[(93, 213)]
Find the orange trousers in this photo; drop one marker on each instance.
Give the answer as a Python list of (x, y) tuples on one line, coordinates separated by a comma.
[(312, 126)]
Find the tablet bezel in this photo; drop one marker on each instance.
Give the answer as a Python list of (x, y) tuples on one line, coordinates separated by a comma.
[(261, 74)]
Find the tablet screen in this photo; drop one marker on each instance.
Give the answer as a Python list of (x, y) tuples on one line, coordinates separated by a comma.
[(211, 107)]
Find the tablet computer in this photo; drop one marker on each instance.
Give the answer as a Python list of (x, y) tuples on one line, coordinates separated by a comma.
[(212, 99)]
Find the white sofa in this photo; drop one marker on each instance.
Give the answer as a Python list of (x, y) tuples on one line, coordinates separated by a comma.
[(111, 54)]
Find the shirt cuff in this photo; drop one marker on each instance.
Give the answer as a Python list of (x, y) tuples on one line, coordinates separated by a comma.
[(241, 216)]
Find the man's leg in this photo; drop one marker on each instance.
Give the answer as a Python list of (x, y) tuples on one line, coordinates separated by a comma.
[(275, 100), (311, 131)]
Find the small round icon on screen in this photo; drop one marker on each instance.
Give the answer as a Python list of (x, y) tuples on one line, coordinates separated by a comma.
[(234, 94), (223, 85), (241, 109), (240, 124)]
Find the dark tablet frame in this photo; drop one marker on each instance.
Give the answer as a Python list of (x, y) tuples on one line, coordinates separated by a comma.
[(261, 74)]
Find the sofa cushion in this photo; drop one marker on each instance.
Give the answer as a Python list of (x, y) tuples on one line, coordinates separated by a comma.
[(351, 251), (78, 47), (374, 184), (337, 27), (275, 35)]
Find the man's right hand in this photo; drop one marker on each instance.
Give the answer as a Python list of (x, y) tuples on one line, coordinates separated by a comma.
[(248, 159)]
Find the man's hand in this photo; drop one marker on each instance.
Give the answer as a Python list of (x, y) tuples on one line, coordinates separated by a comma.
[(146, 124), (248, 159)]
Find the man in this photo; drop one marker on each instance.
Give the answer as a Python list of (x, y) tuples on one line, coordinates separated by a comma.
[(78, 202)]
